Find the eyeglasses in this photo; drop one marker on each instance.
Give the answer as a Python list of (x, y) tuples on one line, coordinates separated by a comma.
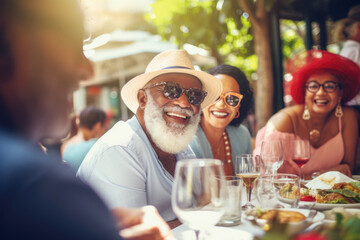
[(173, 90), (232, 99), (328, 86)]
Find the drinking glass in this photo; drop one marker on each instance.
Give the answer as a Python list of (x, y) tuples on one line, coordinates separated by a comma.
[(232, 216), (278, 191), (301, 153), (199, 193), (272, 155), (247, 167)]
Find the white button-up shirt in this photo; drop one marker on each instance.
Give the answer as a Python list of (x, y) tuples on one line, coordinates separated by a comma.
[(124, 169)]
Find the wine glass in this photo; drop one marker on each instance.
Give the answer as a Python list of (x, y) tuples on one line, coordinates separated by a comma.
[(278, 191), (199, 193), (272, 155), (247, 167), (301, 153)]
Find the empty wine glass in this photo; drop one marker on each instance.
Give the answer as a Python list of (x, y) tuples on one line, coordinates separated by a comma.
[(278, 191), (199, 193), (247, 167), (272, 155), (301, 153)]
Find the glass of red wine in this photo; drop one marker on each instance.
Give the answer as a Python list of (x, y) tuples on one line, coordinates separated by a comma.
[(301, 153)]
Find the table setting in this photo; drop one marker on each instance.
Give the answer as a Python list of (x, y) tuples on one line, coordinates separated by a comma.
[(258, 202)]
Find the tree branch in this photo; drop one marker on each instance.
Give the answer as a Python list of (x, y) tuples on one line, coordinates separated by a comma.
[(245, 6)]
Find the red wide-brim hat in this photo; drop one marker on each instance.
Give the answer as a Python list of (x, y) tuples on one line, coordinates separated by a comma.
[(308, 62)]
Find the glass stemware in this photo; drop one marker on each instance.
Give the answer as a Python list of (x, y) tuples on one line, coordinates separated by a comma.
[(247, 167), (272, 155), (301, 153), (278, 191), (199, 193)]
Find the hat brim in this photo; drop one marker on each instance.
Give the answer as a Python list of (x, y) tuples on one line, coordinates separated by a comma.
[(343, 68), (210, 84)]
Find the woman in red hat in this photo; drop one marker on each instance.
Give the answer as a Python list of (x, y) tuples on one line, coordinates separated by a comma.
[(320, 87)]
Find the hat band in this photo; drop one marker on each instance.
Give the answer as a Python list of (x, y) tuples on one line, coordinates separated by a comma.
[(175, 67)]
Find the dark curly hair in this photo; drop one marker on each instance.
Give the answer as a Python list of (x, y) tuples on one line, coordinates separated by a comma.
[(248, 101), (90, 116)]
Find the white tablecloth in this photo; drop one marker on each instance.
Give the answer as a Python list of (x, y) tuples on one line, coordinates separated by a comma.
[(244, 231)]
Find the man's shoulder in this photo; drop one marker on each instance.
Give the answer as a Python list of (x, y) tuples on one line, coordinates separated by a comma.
[(351, 44), (46, 191), (18, 154), (24, 166), (123, 133), (127, 137)]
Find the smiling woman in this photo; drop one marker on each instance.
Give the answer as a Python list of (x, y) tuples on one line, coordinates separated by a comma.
[(321, 86), (220, 134)]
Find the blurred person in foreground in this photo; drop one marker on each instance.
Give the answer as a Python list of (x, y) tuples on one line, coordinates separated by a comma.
[(347, 30), (91, 126), (133, 163), (220, 134), (41, 63), (321, 85)]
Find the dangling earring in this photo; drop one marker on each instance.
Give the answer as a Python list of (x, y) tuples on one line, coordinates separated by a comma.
[(306, 113), (237, 114), (338, 111)]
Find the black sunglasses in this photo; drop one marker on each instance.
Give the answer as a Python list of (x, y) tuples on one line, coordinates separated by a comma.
[(328, 86), (173, 90)]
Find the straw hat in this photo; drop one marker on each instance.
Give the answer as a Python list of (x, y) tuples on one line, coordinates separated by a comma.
[(354, 13), (310, 61), (170, 61), (344, 28)]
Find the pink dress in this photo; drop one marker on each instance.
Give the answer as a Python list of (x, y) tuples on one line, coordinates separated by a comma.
[(328, 155)]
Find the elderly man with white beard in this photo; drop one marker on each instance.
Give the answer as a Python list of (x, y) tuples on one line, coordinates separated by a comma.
[(132, 165)]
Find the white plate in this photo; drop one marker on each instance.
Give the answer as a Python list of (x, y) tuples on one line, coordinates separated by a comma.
[(182, 232), (296, 227), (318, 217), (326, 206), (347, 213)]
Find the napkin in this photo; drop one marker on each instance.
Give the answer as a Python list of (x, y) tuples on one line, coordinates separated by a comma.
[(327, 180)]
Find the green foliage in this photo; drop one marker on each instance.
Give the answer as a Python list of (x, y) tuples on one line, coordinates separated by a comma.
[(220, 27), (276, 232), (217, 26), (344, 229), (291, 32)]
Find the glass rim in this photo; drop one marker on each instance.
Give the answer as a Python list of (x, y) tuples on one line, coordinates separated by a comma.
[(200, 161), (246, 155), (229, 178), (279, 174)]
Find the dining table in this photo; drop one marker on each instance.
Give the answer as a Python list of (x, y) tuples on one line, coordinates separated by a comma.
[(246, 230)]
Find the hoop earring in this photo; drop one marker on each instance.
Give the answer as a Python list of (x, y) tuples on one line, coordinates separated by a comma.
[(338, 111), (306, 113), (237, 114)]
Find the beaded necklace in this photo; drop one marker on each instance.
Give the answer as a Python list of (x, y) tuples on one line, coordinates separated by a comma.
[(227, 148), (223, 152)]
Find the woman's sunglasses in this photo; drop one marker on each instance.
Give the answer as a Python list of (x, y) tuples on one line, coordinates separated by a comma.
[(173, 90), (232, 99)]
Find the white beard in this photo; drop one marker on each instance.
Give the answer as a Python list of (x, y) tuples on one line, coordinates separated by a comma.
[(169, 138)]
